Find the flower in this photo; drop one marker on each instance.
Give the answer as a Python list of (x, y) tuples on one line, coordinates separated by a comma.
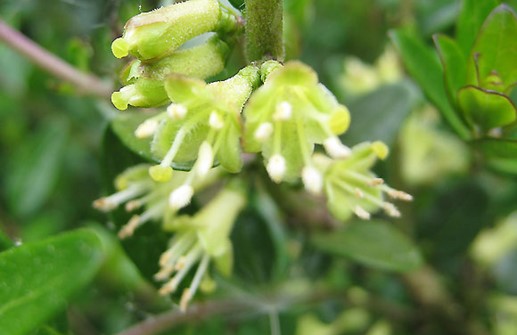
[(202, 238), (350, 186), (158, 33), (288, 115), (145, 80), (203, 122)]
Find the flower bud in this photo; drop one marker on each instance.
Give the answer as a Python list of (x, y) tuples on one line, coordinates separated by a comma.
[(158, 33)]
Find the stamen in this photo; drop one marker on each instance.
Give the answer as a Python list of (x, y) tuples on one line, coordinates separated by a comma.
[(283, 111), (128, 229), (336, 149), (172, 284), (146, 128), (191, 291), (375, 182), (358, 193), (132, 205), (177, 111), (111, 202), (216, 121), (396, 194), (205, 159), (361, 213), (391, 210), (181, 196), (178, 248), (263, 132), (276, 168), (312, 179)]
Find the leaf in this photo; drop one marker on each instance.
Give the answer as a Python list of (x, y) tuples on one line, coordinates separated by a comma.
[(5, 241), (486, 109), (471, 18), (39, 278), (372, 243), (425, 68), (495, 50), (380, 114), (36, 167), (454, 64), (501, 154)]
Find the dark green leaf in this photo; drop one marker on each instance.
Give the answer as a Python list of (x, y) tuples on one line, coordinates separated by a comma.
[(495, 51), (36, 167), (472, 16), (5, 241), (454, 64), (380, 114), (486, 109), (500, 154), (425, 68), (39, 278), (373, 243)]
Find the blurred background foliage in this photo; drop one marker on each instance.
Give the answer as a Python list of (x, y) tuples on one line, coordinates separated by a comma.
[(57, 156)]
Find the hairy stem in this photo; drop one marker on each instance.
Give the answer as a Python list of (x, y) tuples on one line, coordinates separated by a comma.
[(264, 30), (84, 83)]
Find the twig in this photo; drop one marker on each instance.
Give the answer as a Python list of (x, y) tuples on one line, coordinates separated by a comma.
[(85, 83), (268, 306)]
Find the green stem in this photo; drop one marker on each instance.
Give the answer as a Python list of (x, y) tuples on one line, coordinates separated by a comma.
[(264, 30)]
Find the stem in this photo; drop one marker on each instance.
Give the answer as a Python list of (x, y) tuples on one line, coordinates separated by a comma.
[(230, 308), (264, 30), (85, 83)]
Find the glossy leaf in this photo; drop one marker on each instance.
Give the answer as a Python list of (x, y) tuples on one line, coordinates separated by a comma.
[(5, 241), (501, 154), (486, 109), (425, 68), (373, 243), (471, 18), (380, 114), (454, 65), (493, 58), (38, 279)]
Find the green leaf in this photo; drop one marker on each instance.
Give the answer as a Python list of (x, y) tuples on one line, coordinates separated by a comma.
[(501, 154), (425, 68), (373, 243), (472, 16), (39, 278), (486, 109), (35, 168), (495, 51), (380, 114), (5, 241), (454, 64)]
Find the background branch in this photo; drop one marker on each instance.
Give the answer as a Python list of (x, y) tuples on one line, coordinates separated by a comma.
[(83, 82)]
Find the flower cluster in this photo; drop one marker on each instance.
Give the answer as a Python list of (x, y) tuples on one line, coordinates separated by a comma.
[(280, 111), (157, 40), (198, 239)]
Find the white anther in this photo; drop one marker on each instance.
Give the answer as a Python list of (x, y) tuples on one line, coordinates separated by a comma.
[(216, 121), (146, 128), (283, 111), (181, 196), (177, 111), (361, 213), (276, 168), (263, 132), (312, 179), (335, 148), (205, 159)]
